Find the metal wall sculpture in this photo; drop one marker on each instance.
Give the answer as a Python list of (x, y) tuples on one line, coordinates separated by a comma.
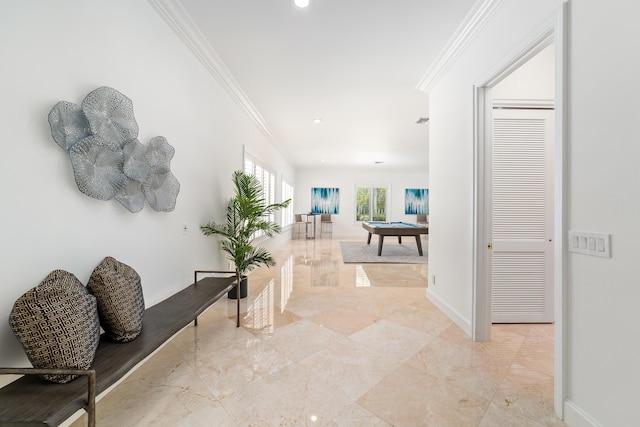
[(108, 160)]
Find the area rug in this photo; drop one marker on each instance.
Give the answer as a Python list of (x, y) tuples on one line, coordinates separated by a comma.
[(392, 252)]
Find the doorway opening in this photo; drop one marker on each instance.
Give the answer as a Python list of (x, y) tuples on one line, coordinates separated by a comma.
[(552, 33)]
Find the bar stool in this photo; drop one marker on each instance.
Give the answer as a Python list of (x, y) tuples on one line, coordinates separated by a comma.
[(423, 220), (297, 226), (325, 223)]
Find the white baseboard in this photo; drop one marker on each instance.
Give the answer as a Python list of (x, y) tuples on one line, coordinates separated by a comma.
[(575, 416), (453, 314)]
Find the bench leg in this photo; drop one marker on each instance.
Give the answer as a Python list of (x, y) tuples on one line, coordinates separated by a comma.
[(91, 406), (91, 384), (380, 241)]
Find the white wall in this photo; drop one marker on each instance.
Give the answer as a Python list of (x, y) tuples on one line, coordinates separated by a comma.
[(601, 312), (533, 80), (52, 51), (604, 148), (344, 224)]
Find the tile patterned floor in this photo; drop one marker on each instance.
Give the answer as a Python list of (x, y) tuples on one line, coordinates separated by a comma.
[(324, 343)]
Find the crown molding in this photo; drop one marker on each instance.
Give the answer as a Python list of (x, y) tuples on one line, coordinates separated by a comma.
[(174, 14), (475, 20)]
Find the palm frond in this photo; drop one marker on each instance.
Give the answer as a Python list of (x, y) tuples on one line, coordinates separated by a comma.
[(245, 215)]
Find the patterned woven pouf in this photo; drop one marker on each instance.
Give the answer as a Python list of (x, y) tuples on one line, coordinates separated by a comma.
[(57, 324), (118, 289)]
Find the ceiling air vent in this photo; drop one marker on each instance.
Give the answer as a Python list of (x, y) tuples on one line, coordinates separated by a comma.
[(422, 120)]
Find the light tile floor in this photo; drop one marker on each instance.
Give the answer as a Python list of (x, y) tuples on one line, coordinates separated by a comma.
[(324, 343)]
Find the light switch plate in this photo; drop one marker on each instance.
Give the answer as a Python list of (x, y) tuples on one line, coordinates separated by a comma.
[(588, 243)]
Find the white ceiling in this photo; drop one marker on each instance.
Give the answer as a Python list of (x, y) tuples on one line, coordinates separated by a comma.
[(353, 63)]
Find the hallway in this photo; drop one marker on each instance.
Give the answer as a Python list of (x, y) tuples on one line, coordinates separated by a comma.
[(324, 343)]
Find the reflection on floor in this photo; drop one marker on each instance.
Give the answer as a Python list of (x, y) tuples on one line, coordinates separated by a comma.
[(324, 343)]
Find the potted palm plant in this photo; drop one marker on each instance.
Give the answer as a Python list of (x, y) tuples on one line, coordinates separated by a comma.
[(247, 214)]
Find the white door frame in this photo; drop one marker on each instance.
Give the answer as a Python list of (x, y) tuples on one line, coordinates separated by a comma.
[(553, 31)]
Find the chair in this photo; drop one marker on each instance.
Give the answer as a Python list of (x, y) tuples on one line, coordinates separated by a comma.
[(297, 226), (325, 223)]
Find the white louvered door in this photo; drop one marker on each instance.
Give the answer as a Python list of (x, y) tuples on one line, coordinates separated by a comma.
[(522, 216)]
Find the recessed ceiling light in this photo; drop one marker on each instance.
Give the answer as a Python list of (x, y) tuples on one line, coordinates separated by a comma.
[(301, 3), (378, 162), (317, 120)]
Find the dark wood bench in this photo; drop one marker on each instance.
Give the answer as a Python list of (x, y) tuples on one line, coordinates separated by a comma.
[(32, 401)]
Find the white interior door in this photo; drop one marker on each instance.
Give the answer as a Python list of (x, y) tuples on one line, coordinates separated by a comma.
[(522, 216)]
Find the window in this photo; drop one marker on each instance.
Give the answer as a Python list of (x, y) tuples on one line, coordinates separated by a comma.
[(371, 204), (286, 217), (268, 180)]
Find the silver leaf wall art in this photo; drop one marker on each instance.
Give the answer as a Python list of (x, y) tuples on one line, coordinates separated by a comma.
[(108, 161)]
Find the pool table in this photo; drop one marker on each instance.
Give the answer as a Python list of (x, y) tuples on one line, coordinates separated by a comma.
[(394, 229)]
